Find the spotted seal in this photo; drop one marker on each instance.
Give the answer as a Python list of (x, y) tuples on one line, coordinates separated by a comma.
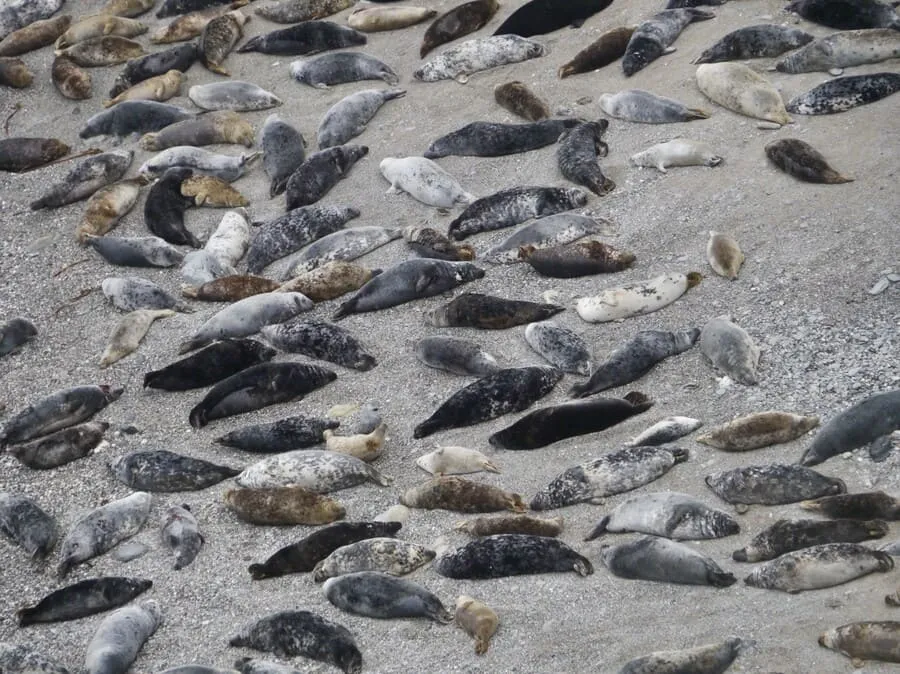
[(819, 566), (757, 41), (461, 495), (209, 365), (635, 358), (102, 51), (537, 17), (847, 14), (663, 432), (181, 534), (34, 35), (458, 22), (386, 555), (319, 172), (654, 36), (223, 126), (511, 524), (376, 19), (131, 117), (61, 447), (678, 152), (487, 312), (428, 242), (284, 150), (584, 258), (866, 640), (724, 255), (508, 390), (284, 435), (635, 299), (23, 154), (740, 89), (14, 73), (379, 595), (772, 484), (644, 107), (801, 160), (137, 70), (85, 598), (516, 97), (130, 293), (129, 332), (478, 620), (844, 93), (15, 333), (476, 55), (664, 561), (340, 68), (860, 506), (18, 14), (342, 245), (308, 37), (455, 461), (85, 179), (789, 535), (707, 659), (293, 11), (317, 470), (730, 349), (458, 356), (121, 635), (191, 25), (492, 139), (547, 232), (841, 50), (160, 470), (503, 555), (606, 49), (23, 659), (322, 340), (141, 251), (106, 207), (282, 506), (613, 473), (175, 7), (560, 346), (347, 118), (424, 181), (218, 38), (27, 524), (760, 429)]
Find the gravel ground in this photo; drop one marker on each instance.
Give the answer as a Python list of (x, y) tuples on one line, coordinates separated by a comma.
[(812, 253)]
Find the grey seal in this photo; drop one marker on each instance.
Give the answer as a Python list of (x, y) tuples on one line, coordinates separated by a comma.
[(120, 637), (458, 356), (342, 245), (664, 561), (538, 17), (548, 232), (223, 126), (493, 139), (160, 470), (488, 312), (560, 346), (226, 167), (428, 242), (180, 57), (14, 334), (516, 97), (758, 430), (283, 435), (606, 49), (578, 153), (27, 525), (478, 620), (18, 14), (317, 470), (308, 37), (730, 349), (458, 22), (322, 340), (644, 107), (232, 95), (23, 659), (502, 555), (758, 41), (23, 154), (387, 555), (284, 150), (130, 293), (61, 447), (340, 68), (819, 566), (707, 659), (476, 55), (461, 495), (319, 172), (511, 524), (865, 640), (668, 514), (663, 432), (379, 595), (789, 535), (181, 533), (862, 505), (654, 36), (841, 50), (85, 179), (218, 38), (844, 93), (82, 599), (347, 118), (772, 484), (292, 11), (209, 365), (847, 14), (133, 117)]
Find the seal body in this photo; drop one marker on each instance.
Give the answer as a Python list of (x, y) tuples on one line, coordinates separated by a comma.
[(520, 100), (478, 54), (376, 19), (707, 659), (819, 566), (35, 35), (26, 523), (560, 346), (538, 17), (18, 14), (294, 11), (23, 154), (14, 334), (664, 561), (424, 181), (801, 160), (789, 535), (512, 524), (175, 7), (283, 435), (678, 152), (209, 365), (866, 640), (131, 117), (511, 555), (225, 167), (343, 245), (548, 232), (611, 474), (281, 506), (14, 73), (181, 533), (232, 95), (61, 447), (740, 89), (758, 41), (663, 432), (85, 179), (347, 118), (606, 49), (385, 555), (137, 70), (428, 242), (635, 299), (578, 153), (83, 599), (724, 255), (316, 470), (106, 207), (583, 258), (644, 107), (379, 595), (308, 37), (130, 293), (318, 339), (129, 332), (487, 312), (761, 429), (478, 620), (730, 349), (331, 280), (25, 659), (120, 637), (223, 126), (843, 50), (191, 25), (772, 484), (141, 251), (207, 190), (98, 26), (454, 355), (164, 471), (340, 68), (365, 446), (862, 506), (461, 495), (654, 36), (284, 150), (103, 51), (455, 461), (844, 93), (321, 171), (847, 14), (218, 38), (458, 22), (491, 139)]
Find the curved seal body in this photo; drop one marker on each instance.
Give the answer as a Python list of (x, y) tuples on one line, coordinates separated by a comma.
[(181, 534), (758, 430), (461, 495), (844, 93), (478, 54), (25, 523), (865, 640), (83, 599), (225, 167), (644, 107), (724, 254), (14, 333), (487, 312), (740, 89), (491, 139), (165, 207), (789, 535), (478, 620), (106, 207), (164, 471), (378, 595), (772, 484), (458, 356), (210, 365), (424, 181), (708, 659), (223, 126), (218, 39), (730, 349), (652, 37), (428, 242), (458, 22), (283, 506), (308, 37), (561, 347), (511, 555), (578, 154), (120, 637), (284, 150), (137, 70), (819, 566), (635, 299), (317, 470), (321, 171), (340, 68), (751, 42), (538, 17), (664, 561), (341, 246)]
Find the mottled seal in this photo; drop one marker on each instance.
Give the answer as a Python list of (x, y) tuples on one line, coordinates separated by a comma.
[(644, 107), (224, 126), (232, 288), (160, 470), (308, 37), (669, 514), (102, 51), (137, 70), (424, 181), (218, 38), (23, 154), (458, 22), (17, 14), (142, 251), (376, 19), (654, 36), (61, 409), (730, 349), (512, 206), (758, 41), (379, 595), (740, 89), (583, 258), (319, 172), (131, 117), (214, 192), (386, 555), (724, 255), (508, 390), (14, 73), (635, 358), (867, 640), (15, 333), (458, 356), (303, 556), (121, 635), (476, 55), (841, 50), (227, 167), (772, 484), (790, 535), (130, 293), (578, 417), (478, 620), (292, 11), (520, 100), (706, 659), (611, 474), (365, 446), (819, 566), (635, 299), (862, 506), (844, 93), (801, 160), (578, 153), (428, 242), (560, 346), (175, 7), (757, 430), (455, 461), (547, 232), (461, 495), (492, 139), (537, 17), (99, 25), (23, 659), (511, 524), (407, 281), (663, 432), (487, 312), (181, 534), (331, 280), (128, 333), (340, 68), (284, 150), (191, 25), (317, 470), (27, 525), (606, 49), (661, 560), (283, 435), (342, 245), (847, 14), (35, 35), (232, 95), (210, 365), (102, 529), (347, 118), (511, 555), (292, 633), (678, 152), (106, 207), (86, 178), (282, 506), (259, 386), (61, 447), (83, 599)]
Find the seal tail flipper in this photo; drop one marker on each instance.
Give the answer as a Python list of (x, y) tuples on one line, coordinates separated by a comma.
[(490, 466), (250, 45), (197, 417), (345, 309), (892, 599), (278, 187), (583, 566), (257, 571), (885, 561), (516, 504), (700, 15), (681, 455), (739, 555), (695, 113), (639, 401), (379, 478), (192, 344), (881, 448), (426, 428), (719, 578), (25, 616), (580, 390), (598, 530)]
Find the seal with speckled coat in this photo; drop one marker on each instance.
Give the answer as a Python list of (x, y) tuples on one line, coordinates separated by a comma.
[(61, 447), (315, 469), (860, 506), (307, 37), (790, 535), (760, 41), (322, 340), (27, 525), (164, 471), (559, 345), (387, 555), (461, 495), (321, 171), (379, 595), (819, 566), (511, 555), (83, 599), (772, 484), (284, 435), (654, 36), (458, 356), (491, 139), (866, 640), (730, 349), (708, 659), (487, 312)]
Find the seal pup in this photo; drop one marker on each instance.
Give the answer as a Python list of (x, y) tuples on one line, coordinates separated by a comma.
[(635, 358), (181, 534), (98, 26), (218, 38), (520, 100), (284, 150), (455, 461), (96, 52), (61, 409), (458, 22), (342, 245), (454, 355), (461, 495), (513, 206), (789, 535), (511, 524), (538, 17), (613, 473), (509, 390), (760, 429), (583, 258), (772, 484), (316, 470), (347, 118), (85, 598), (724, 255), (232, 95), (678, 152), (706, 659), (35, 35), (504, 555), (102, 529), (740, 89), (635, 299), (209, 365), (475, 55), (22, 658), (547, 232), (120, 637), (478, 620), (284, 435), (408, 281), (141, 251), (730, 350), (818, 567), (606, 49), (223, 126), (15, 333), (342, 67), (330, 281), (577, 417), (753, 42), (26, 524), (308, 37), (560, 346), (319, 172), (85, 179), (644, 107), (664, 561), (424, 181), (428, 242), (801, 160), (845, 49), (23, 154), (207, 190), (106, 207), (14, 73), (163, 471), (492, 139), (663, 432), (844, 93), (386, 555), (847, 14), (862, 506), (487, 312), (159, 88), (365, 446), (127, 335), (867, 640), (130, 293), (280, 506), (376, 19), (669, 514), (379, 595), (653, 37), (303, 556), (180, 58), (61, 447), (579, 151), (191, 25), (259, 386), (294, 11)]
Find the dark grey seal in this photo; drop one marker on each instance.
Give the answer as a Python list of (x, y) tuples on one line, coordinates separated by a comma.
[(321, 171), (27, 525), (14, 333), (176, 7), (789, 535), (135, 251), (844, 93), (578, 154), (380, 595), (85, 179), (753, 42), (347, 118), (165, 207), (492, 139), (847, 14), (128, 117), (164, 471), (457, 356), (308, 37), (322, 340), (538, 17), (654, 36), (664, 561), (25, 660), (859, 506), (283, 435), (340, 68), (284, 150), (83, 599), (488, 312), (502, 555), (209, 365), (772, 484)]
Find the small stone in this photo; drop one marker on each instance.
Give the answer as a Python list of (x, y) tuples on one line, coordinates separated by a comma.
[(880, 286), (584, 100)]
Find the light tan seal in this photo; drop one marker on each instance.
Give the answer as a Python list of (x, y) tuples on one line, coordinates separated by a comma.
[(14, 73), (758, 430), (160, 88), (455, 461), (106, 207), (740, 89), (283, 506), (218, 39), (191, 25), (455, 493), (103, 51), (224, 126), (367, 447), (724, 255), (34, 36), (128, 334), (213, 192), (100, 25), (376, 19), (478, 620), (520, 100), (129, 8), (331, 280), (70, 80), (230, 288)]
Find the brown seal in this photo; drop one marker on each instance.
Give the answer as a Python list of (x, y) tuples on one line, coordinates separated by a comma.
[(466, 496), (761, 429), (724, 255), (511, 524), (34, 36), (520, 100), (218, 39), (604, 50), (283, 506), (459, 21), (100, 25), (106, 207), (129, 8), (160, 88), (802, 161), (231, 288), (70, 80), (189, 26), (478, 620), (14, 73), (225, 126), (582, 258), (23, 154), (862, 506), (128, 334), (428, 242), (211, 191), (331, 280)]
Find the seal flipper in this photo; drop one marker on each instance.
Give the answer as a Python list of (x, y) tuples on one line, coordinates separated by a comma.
[(880, 448), (719, 578), (583, 566), (598, 530), (250, 45)]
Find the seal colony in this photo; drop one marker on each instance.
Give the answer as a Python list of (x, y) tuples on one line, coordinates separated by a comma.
[(374, 352)]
